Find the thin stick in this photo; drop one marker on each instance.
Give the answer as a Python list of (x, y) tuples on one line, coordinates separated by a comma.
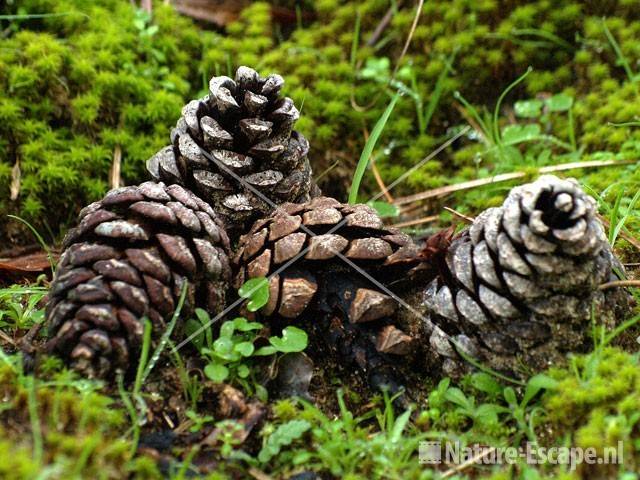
[(414, 25), (459, 215), (7, 338), (382, 26), (418, 221), (327, 170), (259, 474), (619, 283), (380, 182), (15, 181), (471, 121), (376, 172), (116, 167), (505, 177), (468, 463)]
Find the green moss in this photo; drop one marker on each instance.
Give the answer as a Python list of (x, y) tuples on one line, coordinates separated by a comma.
[(596, 402), (79, 432), (76, 86)]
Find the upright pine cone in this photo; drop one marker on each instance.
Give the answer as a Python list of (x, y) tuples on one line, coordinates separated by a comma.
[(518, 288), (246, 130), (131, 256), (347, 314)]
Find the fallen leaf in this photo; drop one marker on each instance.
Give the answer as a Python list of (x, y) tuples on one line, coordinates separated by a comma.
[(34, 262)]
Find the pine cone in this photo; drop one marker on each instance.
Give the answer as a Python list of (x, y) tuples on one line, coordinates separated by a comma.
[(247, 129), (516, 290), (129, 257), (347, 314)]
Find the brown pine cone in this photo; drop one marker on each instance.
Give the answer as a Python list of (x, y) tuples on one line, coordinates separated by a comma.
[(131, 256), (247, 129), (347, 314), (517, 290)]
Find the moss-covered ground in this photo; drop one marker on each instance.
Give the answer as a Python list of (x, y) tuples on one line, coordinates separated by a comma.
[(520, 85)]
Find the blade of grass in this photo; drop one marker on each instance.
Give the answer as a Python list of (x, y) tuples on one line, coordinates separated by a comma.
[(496, 111), (368, 149), (621, 223), (166, 334), (144, 356), (438, 90), (41, 241), (34, 418), (618, 51), (356, 40)]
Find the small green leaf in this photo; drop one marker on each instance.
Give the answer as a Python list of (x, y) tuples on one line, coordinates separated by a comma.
[(227, 329), (244, 348), (241, 324), (537, 383), (385, 209), (190, 327), (243, 371), (265, 351), (487, 413), (293, 340), (510, 396), (485, 383), (528, 108), (514, 134), (257, 291), (559, 102), (376, 68), (284, 435), (223, 346), (216, 372), (455, 395)]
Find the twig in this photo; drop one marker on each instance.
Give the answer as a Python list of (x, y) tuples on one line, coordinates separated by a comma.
[(468, 463), (471, 121), (504, 177), (116, 166), (146, 5), (414, 25), (259, 474), (7, 338), (327, 170), (619, 283), (418, 221), (376, 173), (382, 26), (379, 181), (459, 215), (15, 181)]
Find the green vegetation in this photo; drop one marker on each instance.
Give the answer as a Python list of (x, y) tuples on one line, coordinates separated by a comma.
[(65, 110), (535, 83)]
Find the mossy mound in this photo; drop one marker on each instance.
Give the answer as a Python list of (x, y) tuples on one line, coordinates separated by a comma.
[(89, 79), (338, 73), (81, 82)]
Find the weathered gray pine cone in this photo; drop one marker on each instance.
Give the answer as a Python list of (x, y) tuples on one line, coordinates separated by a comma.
[(247, 128), (517, 290), (346, 313), (131, 256)]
